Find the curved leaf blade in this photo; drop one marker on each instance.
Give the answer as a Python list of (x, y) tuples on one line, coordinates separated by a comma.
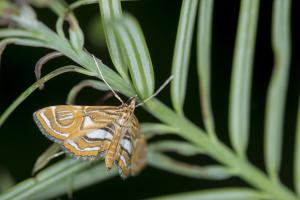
[(85, 83), (136, 52), (239, 104), (38, 187), (111, 10), (213, 172), (182, 148), (277, 90), (182, 51), (204, 33)]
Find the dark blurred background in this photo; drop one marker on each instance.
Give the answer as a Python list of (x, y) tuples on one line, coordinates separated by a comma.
[(21, 142)]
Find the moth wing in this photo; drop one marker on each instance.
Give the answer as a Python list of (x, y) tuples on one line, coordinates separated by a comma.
[(93, 144), (133, 151), (59, 122), (83, 131)]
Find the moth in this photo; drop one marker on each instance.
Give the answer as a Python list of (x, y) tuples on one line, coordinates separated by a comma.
[(90, 132)]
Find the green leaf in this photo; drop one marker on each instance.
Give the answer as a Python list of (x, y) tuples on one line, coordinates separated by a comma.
[(134, 48), (46, 157), (152, 129), (182, 148), (86, 83), (297, 153), (217, 194), (239, 105), (277, 90), (166, 163), (110, 10), (80, 3), (58, 7), (204, 33), (33, 87), (77, 181), (11, 32), (76, 34), (83, 173), (19, 41), (182, 53)]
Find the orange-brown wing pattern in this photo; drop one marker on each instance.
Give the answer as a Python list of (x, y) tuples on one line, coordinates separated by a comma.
[(84, 131), (132, 154), (92, 145), (58, 123)]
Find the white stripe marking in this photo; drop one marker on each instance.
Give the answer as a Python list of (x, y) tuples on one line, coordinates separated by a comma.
[(50, 127), (126, 145), (66, 117), (99, 134), (87, 121), (123, 160), (73, 144)]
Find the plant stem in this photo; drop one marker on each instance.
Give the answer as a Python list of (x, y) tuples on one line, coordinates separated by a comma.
[(219, 151)]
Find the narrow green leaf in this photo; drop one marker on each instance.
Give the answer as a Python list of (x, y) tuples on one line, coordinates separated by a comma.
[(239, 105), (134, 48), (217, 194), (33, 87), (11, 32), (51, 182), (59, 25), (21, 41), (111, 10), (46, 157), (86, 83), (182, 53), (152, 129), (76, 181), (277, 90), (297, 153), (80, 3), (76, 34), (182, 148), (203, 62), (166, 163), (58, 7)]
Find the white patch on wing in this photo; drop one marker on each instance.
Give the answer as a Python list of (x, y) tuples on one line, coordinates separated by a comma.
[(73, 144), (126, 145), (99, 134), (123, 160), (87, 121), (50, 127)]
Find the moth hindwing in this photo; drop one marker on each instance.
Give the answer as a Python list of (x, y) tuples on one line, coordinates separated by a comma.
[(90, 132)]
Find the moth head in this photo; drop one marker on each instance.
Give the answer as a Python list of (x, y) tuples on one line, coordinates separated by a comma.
[(131, 103)]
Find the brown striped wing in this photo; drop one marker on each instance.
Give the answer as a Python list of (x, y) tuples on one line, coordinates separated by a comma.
[(132, 155), (83, 131)]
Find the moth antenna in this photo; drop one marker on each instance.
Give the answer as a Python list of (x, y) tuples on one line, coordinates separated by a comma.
[(102, 77), (157, 91)]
